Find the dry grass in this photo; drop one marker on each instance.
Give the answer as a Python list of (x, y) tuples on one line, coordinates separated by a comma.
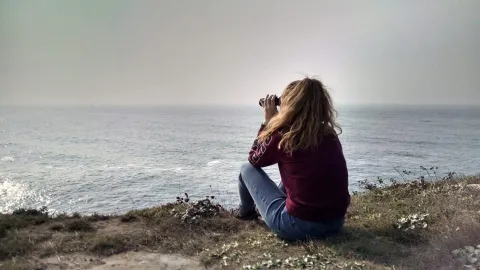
[(79, 225), (372, 238)]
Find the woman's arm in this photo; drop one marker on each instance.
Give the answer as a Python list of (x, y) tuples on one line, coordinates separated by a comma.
[(266, 153)]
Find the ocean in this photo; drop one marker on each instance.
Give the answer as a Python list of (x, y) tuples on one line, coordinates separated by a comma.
[(111, 160)]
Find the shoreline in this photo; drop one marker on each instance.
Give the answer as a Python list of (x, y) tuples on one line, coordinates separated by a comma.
[(413, 225), (357, 187)]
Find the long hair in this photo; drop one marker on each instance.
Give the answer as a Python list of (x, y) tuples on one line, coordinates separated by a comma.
[(306, 115)]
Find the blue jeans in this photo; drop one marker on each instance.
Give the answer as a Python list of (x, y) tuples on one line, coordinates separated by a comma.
[(256, 188)]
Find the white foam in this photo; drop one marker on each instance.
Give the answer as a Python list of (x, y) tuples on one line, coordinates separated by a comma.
[(8, 158), (138, 168), (160, 170), (214, 163), (178, 169)]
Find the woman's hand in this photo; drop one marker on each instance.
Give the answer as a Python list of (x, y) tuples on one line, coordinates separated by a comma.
[(270, 108)]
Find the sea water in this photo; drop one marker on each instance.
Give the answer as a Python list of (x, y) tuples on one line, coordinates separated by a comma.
[(111, 160)]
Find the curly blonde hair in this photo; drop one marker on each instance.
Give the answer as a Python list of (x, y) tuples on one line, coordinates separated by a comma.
[(306, 115)]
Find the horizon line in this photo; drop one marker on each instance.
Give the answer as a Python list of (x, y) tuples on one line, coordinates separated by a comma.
[(228, 105)]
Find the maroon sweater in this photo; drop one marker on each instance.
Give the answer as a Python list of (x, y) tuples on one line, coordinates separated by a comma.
[(316, 181)]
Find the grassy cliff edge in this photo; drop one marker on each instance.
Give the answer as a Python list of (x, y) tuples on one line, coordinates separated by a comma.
[(412, 225)]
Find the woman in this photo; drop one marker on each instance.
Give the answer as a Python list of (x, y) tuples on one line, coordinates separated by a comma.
[(312, 198)]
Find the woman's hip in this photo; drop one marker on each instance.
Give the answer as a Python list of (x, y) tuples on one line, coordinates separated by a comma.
[(292, 228)]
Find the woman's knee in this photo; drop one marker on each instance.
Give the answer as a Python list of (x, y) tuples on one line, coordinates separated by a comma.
[(247, 168)]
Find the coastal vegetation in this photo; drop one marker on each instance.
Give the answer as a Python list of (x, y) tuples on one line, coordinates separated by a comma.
[(419, 224)]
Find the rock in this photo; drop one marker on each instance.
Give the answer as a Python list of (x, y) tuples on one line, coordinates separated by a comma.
[(477, 252), (478, 246), (470, 249), (462, 257), (471, 259), (475, 187), (456, 252)]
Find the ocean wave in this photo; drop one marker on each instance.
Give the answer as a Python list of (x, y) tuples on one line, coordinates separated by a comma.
[(139, 168), (8, 158), (174, 169), (214, 163), (409, 154), (153, 170)]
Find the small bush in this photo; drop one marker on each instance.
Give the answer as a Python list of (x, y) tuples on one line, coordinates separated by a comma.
[(62, 216), (79, 225), (57, 226), (198, 210), (22, 218), (97, 217), (128, 218), (14, 246), (412, 222), (31, 212), (106, 246), (3, 231)]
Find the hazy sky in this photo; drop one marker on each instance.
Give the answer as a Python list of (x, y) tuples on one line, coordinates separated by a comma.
[(165, 52)]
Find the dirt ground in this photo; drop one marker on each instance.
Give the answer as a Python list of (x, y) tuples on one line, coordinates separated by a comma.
[(130, 260)]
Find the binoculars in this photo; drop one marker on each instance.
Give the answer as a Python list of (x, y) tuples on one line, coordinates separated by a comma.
[(261, 102)]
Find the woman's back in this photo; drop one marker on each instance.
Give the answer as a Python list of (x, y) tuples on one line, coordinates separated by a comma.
[(316, 181)]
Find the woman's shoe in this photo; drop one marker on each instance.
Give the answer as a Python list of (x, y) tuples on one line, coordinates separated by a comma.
[(251, 215)]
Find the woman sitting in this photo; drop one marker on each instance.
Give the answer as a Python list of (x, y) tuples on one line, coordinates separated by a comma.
[(312, 198)]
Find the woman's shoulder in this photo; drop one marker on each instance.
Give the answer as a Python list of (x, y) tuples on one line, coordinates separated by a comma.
[(332, 142), (331, 137)]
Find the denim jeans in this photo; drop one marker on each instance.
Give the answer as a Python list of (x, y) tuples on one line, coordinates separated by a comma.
[(256, 188)]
